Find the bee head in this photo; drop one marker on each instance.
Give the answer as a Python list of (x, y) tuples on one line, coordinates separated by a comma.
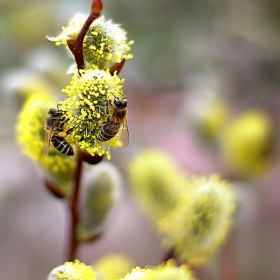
[(120, 102), (55, 113)]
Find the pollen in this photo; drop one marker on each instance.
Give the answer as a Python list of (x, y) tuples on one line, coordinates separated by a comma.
[(72, 270), (104, 44), (87, 108)]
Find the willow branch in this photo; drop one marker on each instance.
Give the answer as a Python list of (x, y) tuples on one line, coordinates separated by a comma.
[(76, 46), (74, 209)]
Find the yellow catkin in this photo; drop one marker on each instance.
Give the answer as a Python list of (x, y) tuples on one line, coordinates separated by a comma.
[(31, 137), (105, 43), (113, 266), (156, 180), (86, 108), (248, 143), (169, 270), (201, 219), (136, 273)]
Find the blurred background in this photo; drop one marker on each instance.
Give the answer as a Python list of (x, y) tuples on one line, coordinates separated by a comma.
[(188, 57)]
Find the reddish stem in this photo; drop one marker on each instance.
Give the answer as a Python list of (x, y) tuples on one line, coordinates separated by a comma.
[(74, 209), (74, 202), (229, 268), (76, 46), (170, 254)]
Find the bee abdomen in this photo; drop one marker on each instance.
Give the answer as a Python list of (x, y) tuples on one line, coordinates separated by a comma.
[(62, 145), (108, 131)]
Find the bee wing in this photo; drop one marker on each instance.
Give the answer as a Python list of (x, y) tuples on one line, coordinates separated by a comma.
[(124, 134), (47, 142)]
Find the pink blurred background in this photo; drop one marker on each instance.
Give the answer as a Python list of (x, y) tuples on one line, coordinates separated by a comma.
[(183, 50)]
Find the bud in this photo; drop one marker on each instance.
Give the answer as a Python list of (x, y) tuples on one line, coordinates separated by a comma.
[(96, 7), (100, 194)]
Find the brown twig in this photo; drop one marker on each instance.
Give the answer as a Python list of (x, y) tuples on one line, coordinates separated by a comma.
[(76, 46), (74, 209)]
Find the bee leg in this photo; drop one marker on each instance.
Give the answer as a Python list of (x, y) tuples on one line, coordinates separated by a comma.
[(96, 120), (63, 123), (70, 130), (65, 133)]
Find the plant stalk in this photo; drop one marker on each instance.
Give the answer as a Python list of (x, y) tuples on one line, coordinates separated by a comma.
[(74, 209), (76, 46)]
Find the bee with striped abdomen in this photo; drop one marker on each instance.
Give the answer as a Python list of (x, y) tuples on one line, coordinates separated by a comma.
[(117, 122), (55, 133)]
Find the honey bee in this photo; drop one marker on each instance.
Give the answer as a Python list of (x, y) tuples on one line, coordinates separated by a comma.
[(117, 122), (55, 133)]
